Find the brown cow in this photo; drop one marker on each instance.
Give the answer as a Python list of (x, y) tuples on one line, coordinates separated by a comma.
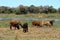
[(36, 23), (15, 24), (46, 22)]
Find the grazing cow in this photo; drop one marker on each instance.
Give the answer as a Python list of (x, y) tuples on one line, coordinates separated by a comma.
[(36, 23), (25, 27), (15, 24), (48, 23)]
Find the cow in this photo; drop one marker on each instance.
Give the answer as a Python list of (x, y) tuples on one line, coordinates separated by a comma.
[(48, 23), (36, 23), (15, 24), (25, 27)]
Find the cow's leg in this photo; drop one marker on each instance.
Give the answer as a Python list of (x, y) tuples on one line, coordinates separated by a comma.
[(11, 27), (18, 27), (26, 29), (48, 25), (14, 27)]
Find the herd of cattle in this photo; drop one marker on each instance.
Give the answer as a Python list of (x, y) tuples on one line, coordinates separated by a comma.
[(17, 24)]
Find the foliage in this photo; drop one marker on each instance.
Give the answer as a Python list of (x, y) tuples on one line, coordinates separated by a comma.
[(58, 10), (21, 10), (29, 9)]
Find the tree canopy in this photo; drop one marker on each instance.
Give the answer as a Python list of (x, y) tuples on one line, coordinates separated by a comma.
[(21, 9)]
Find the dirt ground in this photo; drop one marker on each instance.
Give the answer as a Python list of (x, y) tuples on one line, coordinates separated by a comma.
[(33, 33)]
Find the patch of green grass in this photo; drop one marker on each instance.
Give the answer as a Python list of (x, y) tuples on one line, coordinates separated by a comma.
[(56, 25), (4, 23), (55, 15)]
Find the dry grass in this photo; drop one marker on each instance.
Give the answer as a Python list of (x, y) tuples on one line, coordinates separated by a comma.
[(33, 34)]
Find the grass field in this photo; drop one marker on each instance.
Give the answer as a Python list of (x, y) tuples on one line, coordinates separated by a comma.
[(44, 33), (33, 34), (56, 15)]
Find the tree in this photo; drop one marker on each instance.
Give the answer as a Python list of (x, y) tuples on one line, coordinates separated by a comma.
[(40, 9), (21, 10), (52, 10), (8, 10), (58, 10), (33, 9), (3, 9)]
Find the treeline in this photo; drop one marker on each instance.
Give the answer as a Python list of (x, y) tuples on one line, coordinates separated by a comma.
[(29, 9)]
